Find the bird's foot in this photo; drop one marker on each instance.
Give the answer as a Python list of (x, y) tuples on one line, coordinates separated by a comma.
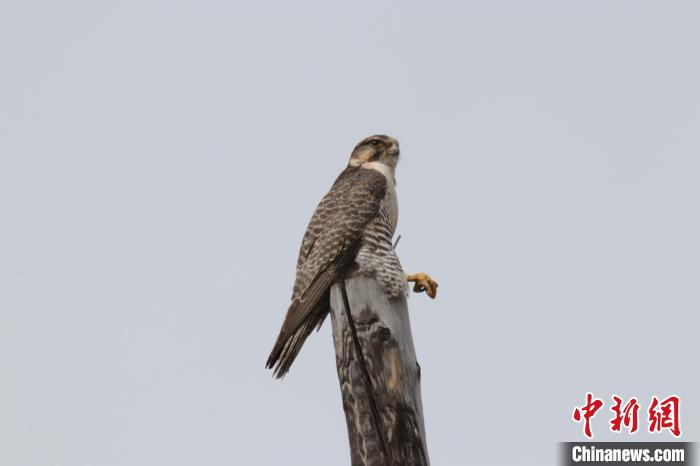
[(423, 282)]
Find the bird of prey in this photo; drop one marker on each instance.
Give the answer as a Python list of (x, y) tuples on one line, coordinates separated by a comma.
[(351, 231)]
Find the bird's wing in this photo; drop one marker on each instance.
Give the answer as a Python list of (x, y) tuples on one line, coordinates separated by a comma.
[(329, 245), (337, 222)]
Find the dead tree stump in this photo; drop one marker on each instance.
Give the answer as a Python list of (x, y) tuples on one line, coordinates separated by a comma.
[(379, 375)]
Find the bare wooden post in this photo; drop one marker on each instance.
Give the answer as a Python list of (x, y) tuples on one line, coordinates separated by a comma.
[(379, 375)]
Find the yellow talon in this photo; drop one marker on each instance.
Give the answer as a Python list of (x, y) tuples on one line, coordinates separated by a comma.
[(424, 283)]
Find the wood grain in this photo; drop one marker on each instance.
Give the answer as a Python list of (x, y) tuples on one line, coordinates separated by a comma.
[(380, 384)]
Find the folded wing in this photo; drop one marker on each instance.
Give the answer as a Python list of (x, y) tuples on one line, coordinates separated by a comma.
[(329, 246)]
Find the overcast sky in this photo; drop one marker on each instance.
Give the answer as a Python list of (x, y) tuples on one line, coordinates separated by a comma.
[(159, 162)]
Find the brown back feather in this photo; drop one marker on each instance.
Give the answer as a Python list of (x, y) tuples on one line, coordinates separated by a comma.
[(329, 246)]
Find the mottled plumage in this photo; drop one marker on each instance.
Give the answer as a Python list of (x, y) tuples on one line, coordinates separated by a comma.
[(350, 232), (376, 257)]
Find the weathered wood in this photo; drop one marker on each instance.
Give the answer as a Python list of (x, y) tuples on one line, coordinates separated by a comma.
[(380, 385)]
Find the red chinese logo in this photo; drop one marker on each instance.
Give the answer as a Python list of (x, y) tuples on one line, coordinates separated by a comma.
[(589, 409), (663, 415), (627, 416)]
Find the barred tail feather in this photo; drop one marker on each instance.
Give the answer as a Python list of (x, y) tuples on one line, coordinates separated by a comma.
[(305, 312), (287, 349)]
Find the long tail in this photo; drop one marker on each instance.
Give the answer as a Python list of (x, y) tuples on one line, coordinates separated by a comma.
[(288, 345)]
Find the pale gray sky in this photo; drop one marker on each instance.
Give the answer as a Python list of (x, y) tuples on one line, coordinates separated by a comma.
[(159, 162)]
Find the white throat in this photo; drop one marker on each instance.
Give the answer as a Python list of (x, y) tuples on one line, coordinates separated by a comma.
[(382, 168)]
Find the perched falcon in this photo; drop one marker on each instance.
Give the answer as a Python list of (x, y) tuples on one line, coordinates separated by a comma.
[(350, 231)]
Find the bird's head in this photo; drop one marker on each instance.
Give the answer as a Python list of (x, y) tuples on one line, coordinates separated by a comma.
[(374, 150)]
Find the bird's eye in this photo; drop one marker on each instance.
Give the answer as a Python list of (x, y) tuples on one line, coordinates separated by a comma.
[(375, 142)]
